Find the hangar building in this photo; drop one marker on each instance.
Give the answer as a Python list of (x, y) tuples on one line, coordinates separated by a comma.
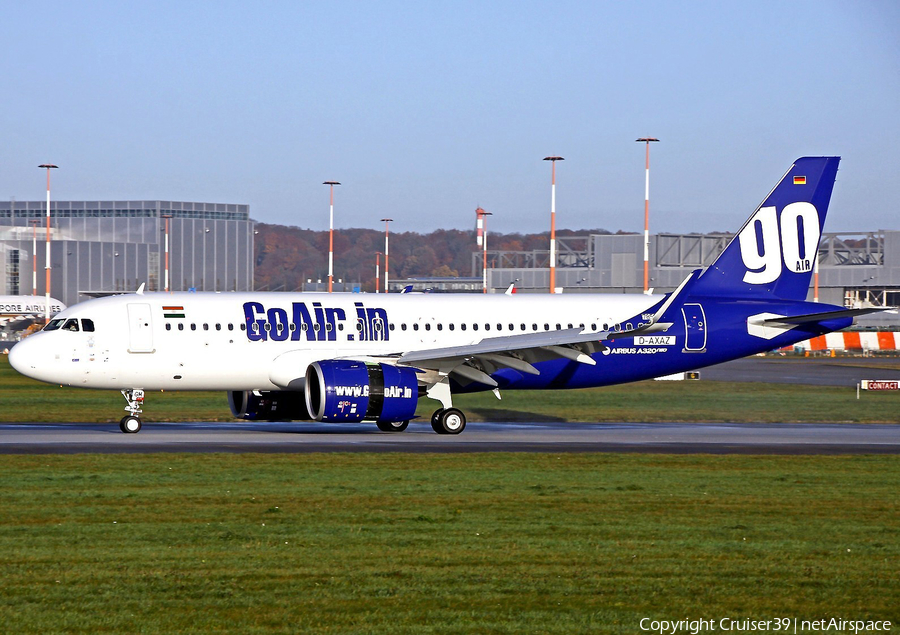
[(106, 247), (855, 269)]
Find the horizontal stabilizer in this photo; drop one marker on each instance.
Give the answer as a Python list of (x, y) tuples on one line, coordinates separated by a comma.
[(827, 315)]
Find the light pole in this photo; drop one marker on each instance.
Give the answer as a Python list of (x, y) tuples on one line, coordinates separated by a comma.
[(553, 160), (34, 224), (481, 224), (331, 185), (387, 251), (166, 286), (377, 272), (48, 167), (647, 141)]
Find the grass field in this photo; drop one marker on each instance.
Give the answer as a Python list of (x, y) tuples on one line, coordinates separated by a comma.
[(24, 399), (489, 543)]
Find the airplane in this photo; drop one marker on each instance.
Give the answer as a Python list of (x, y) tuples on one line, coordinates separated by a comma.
[(353, 358), (14, 308)]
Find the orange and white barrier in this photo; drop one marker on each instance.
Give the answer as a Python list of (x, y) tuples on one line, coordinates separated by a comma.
[(853, 341)]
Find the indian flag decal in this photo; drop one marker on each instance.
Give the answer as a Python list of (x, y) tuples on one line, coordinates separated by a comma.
[(173, 312), (799, 180)]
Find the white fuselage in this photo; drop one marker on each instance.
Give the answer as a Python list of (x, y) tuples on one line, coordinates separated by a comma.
[(265, 341)]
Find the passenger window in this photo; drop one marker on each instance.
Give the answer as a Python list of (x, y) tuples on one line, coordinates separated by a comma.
[(230, 326), (391, 326), (440, 326), (328, 327), (193, 326), (53, 325), (87, 325), (427, 326), (511, 327), (168, 326), (205, 326), (180, 326), (474, 327), (546, 327), (452, 326), (487, 327), (70, 325), (218, 327), (243, 326), (415, 327), (534, 327), (341, 326), (462, 326), (403, 326)]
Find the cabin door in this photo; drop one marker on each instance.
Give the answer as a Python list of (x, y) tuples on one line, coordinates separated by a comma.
[(140, 329), (694, 327)]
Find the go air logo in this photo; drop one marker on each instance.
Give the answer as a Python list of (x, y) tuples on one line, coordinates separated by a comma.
[(763, 249)]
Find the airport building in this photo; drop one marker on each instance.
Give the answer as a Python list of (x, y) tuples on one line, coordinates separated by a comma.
[(855, 269), (106, 247)]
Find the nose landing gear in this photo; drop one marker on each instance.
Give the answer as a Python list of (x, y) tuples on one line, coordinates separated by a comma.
[(131, 423)]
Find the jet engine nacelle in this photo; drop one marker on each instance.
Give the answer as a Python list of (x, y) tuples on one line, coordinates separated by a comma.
[(340, 390), (272, 405)]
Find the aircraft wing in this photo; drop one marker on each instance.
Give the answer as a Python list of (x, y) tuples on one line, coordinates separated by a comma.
[(475, 362), (504, 344)]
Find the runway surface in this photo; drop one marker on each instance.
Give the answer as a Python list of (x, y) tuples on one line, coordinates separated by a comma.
[(675, 438)]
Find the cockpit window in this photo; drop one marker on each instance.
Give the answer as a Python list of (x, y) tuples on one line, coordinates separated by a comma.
[(87, 325), (53, 325), (70, 325)]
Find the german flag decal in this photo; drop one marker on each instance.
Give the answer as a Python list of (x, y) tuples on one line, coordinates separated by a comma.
[(170, 312), (799, 180)]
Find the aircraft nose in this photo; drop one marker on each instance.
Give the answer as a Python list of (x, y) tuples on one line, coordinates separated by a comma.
[(18, 356), (24, 357)]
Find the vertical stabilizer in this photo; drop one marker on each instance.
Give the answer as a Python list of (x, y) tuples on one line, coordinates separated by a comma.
[(774, 253)]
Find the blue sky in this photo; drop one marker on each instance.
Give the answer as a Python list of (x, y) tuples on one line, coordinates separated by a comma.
[(426, 110)]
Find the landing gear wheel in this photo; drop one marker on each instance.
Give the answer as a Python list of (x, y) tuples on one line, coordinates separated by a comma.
[(436, 421), (130, 424), (452, 421), (392, 426)]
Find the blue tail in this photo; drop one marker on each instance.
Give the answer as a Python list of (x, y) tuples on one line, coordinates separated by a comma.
[(773, 254)]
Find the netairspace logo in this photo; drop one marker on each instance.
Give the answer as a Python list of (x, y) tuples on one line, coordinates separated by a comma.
[(782, 624)]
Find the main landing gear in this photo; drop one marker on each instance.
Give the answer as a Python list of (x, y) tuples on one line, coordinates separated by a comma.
[(448, 421), (131, 423), (392, 426)]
